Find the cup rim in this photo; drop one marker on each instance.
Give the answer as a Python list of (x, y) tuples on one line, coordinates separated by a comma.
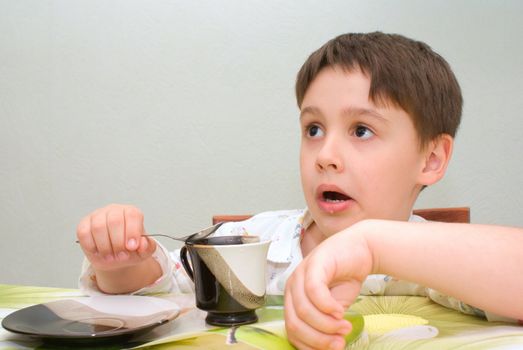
[(196, 245)]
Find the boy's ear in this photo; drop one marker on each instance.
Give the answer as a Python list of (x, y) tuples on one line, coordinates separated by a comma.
[(436, 159)]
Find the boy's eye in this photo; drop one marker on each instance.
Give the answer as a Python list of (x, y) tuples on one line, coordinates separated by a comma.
[(314, 131), (363, 132)]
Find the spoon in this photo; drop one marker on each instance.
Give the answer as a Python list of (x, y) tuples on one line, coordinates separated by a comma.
[(194, 236)]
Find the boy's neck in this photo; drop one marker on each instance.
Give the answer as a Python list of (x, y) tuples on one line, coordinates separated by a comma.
[(312, 237)]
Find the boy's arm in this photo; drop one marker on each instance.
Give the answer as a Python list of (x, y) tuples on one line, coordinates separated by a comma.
[(478, 264)]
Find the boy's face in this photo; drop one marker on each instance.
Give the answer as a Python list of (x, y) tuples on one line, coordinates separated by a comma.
[(358, 161)]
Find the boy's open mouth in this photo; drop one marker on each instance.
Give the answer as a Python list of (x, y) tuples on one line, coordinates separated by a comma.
[(334, 197), (331, 199)]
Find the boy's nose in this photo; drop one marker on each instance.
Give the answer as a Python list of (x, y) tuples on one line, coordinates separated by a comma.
[(329, 156)]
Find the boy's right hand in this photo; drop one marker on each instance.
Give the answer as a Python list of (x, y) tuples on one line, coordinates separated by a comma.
[(114, 237)]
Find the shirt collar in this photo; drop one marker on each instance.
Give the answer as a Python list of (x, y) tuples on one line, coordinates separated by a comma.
[(307, 219), (285, 246)]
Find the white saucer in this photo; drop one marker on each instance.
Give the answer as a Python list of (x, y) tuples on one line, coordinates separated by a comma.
[(91, 319)]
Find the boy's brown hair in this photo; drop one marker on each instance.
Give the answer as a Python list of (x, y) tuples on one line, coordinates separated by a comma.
[(402, 71)]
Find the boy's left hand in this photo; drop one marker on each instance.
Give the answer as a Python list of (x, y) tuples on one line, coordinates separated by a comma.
[(325, 283)]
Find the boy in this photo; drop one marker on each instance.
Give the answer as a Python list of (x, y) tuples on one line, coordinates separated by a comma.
[(379, 114), (378, 117)]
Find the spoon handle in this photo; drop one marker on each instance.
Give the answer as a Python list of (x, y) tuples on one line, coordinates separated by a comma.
[(201, 234), (157, 235), (181, 239)]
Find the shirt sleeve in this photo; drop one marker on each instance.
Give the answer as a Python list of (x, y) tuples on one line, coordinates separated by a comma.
[(388, 285), (173, 279), (453, 303)]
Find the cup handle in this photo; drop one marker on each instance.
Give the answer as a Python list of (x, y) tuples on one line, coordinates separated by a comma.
[(185, 262)]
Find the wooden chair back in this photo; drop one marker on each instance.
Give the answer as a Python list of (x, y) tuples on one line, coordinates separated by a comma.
[(459, 215)]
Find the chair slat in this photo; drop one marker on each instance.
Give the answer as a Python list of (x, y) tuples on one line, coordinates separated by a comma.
[(458, 215)]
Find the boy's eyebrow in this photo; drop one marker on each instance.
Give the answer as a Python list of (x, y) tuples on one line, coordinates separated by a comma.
[(349, 112), (357, 111), (310, 110)]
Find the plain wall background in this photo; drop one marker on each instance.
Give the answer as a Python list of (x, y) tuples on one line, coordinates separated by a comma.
[(186, 109)]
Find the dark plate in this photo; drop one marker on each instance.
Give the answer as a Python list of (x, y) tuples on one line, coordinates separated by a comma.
[(99, 319)]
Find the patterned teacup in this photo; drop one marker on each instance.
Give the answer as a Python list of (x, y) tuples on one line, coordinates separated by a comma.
[(229, 277)]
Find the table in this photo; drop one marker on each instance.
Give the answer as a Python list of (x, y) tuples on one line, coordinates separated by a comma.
[(391, 322)]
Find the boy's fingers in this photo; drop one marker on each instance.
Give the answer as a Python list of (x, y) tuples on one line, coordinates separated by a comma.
[(345, 293), (308, 313), (100, 235), (302, 346), (115, 226), (317, 289), (303, 335), (147, 247), (133, 227), (95, 259), (83, 233)]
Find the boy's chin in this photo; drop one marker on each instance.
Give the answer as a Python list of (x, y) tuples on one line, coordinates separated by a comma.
[(331, 228), (330, 224)]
